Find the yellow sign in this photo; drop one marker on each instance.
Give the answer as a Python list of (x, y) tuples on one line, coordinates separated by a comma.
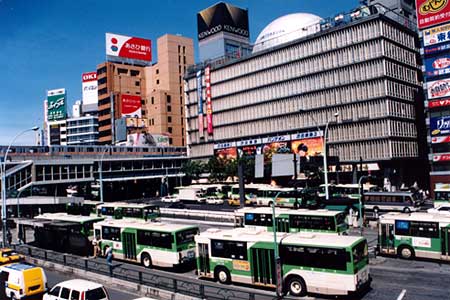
[(432, 6), (241, 265)]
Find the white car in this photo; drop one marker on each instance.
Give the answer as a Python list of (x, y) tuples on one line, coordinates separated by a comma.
[(77, 289), (443, 209), (214, 200), (170, 199)]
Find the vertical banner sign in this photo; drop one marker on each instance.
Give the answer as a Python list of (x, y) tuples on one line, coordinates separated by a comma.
[(432, 12), (208, 100), (56, 105), (90, 86), (131, 106), (200, 104)]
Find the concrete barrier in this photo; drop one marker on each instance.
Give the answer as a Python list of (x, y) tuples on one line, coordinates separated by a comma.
[(112, 283)]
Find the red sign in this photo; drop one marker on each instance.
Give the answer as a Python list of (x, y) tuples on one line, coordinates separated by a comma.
[(208, 100), (432, 12), (128, 47), (91, 76), (440, 139), (441, 63), (438, 103), (441, 157), (131, 106)]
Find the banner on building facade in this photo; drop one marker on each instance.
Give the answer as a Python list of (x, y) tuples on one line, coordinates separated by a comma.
[(200, 104), (90, 88), (436, 66), (128, 47), (432, 12), (438, 103), (131, 106), (440, 126), (209, 122), (438, 88), (436, 35), (56, 105)]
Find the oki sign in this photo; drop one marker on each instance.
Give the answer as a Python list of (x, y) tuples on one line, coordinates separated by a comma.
[(90, 88), (90, 76), (432, 12), (128, 47)]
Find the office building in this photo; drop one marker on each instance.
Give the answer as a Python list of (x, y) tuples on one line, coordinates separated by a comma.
[(82, 130)]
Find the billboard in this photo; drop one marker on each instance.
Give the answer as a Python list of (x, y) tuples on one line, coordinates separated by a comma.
[(136, 122), (434, 49), (308, 147), (131, 106), (438, 103), (436, 35), (441, 157), (161, 140), (200, 104), (90, 88), (128, 47), (209, 124), (56, 105), (440, 126), (440, 139), (436, 66), (226, 153), (222, 17), (139, 139), (432, 12), (438, 88)]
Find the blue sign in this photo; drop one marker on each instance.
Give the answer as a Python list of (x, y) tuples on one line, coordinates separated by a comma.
[(440, 126), (436, 66), (199, 92), (434, 49)]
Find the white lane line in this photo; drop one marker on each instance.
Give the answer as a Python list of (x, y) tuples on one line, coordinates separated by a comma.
[(402, 295)]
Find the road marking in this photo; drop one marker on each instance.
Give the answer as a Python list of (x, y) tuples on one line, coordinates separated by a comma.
[(402, 295)]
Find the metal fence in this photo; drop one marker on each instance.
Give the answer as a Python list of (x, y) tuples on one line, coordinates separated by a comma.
[(176, 282)]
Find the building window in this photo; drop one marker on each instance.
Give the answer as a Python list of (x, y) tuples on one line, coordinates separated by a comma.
[(143, 101), (157, 71), (169, 119), (184, 49), (179, 48), (137, 83), (184, 59), (169, 129), (169, 98), (157, 81), (169, 108), (134, 73), (170, 141), (153, 100), (122, 71), (179, 59)]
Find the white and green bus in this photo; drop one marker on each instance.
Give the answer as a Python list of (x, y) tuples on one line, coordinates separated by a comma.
[(86, 223), (422, 235), (441, 196), (124, 210), (151, 244), (292, 220), (310, 262)]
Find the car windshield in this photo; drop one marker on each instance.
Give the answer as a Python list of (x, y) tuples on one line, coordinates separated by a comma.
[(8, 253), (95, 294), (360, 252)]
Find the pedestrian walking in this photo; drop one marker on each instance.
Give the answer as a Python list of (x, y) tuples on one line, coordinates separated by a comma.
[(109, 260), (96, 246), (9, 237)]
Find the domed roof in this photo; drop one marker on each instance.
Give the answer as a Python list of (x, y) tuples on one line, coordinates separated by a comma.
[(285, 29)]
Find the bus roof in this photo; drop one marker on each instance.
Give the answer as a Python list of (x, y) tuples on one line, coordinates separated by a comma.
[(389, 193), (279, 211), (306, 238), (417, 216), (126, 204), (125, 223), (92, 202), (68, 218)]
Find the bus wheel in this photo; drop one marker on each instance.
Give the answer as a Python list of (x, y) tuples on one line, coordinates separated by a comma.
[(270, 204), (297, 286), (407, 210), (405, 252), (222, 275), (13, 296), (146, 260)]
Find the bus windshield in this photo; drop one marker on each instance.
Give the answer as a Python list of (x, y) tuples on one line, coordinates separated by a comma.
[(186, 236), (360, 253)]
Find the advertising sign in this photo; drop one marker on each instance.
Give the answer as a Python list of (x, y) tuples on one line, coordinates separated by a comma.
[(131, 106), (438, 88), (200, 104), (56, 104), (313, 147), (436, 66), (209, 124), (430, 50), (161, 140), (440, 126), (222, 17), (128, 47), (90, 88), (226, 153), (432, 12), (139, 139), (436, 35), (136, 122), (440, 139), (276, 147), (441, 157), (438, 103)]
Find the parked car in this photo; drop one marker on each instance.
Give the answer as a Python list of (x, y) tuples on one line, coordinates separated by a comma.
[(8, 256), (214, 200), (77, 289), (23, 280), (170, 199), (178, 205), (443, 209)]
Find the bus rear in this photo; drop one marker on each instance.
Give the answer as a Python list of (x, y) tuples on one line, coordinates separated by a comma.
[(185, 245)]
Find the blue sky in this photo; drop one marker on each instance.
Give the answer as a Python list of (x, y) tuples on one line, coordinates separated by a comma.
[(47, 44)]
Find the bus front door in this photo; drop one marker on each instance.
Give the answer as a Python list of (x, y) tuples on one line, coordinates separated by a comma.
[(263, 267), (129, 245), (386, 236), (203, 260), (445, 243), (282, 224)]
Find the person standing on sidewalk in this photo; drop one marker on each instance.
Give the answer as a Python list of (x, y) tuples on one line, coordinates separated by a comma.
[(109, 260)]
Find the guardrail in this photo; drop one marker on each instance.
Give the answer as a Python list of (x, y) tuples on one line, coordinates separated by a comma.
[(177, 283)]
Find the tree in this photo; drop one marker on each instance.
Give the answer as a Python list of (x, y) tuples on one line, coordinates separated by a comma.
[(193, 169), (217, 169)]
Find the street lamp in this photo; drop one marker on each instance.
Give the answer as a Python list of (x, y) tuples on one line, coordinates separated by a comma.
[(361, 193), (324, 142), (3, 169), (279, 288), (100, 172)]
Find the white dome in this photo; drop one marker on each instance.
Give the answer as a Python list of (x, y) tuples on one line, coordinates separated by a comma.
[(287, 28)]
